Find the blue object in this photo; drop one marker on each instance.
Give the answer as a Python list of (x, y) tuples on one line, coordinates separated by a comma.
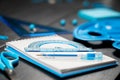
[(116, 44), (92, 56), (2, 37), (74, 22), (19, 27), (32, 26), (97, 13), (7, 60), (36, 46), (57, 73), (87, 55), (104, 29), (63, 22)]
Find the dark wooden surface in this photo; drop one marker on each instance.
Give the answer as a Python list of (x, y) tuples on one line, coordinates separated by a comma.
[(47, 14)]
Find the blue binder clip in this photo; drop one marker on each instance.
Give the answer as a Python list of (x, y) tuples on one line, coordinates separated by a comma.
[(92, 56)]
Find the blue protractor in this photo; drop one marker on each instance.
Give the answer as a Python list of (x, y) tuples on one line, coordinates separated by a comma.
[(56, 46)]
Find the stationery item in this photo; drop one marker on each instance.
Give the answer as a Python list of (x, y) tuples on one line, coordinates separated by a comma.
[(116, 44), (7, 60), (60, 67), (81, 55), (104, 29), (32, 28), (23, 28), (98, 13), (56, 46), (74, 22)]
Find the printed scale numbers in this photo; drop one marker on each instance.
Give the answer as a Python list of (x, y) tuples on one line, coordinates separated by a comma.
[(56, 46)]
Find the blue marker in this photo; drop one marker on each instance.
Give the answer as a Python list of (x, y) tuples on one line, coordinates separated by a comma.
[(74, 22), (2, 37)]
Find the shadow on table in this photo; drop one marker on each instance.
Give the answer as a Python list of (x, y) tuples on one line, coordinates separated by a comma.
[(117, 53), (95, 44)]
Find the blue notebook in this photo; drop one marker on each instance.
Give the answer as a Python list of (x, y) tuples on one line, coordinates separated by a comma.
[(98, 13), (59, 66)]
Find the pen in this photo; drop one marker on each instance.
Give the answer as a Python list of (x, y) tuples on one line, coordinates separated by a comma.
[(81, 55)]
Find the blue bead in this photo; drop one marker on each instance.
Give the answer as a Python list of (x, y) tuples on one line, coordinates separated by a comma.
[(32, 26), (63, 22), (74, 22)]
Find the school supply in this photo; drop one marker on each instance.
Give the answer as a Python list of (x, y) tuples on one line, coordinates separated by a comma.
[(61, 66)]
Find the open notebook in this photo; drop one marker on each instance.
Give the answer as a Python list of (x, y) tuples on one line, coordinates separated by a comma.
[(62, 66)]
